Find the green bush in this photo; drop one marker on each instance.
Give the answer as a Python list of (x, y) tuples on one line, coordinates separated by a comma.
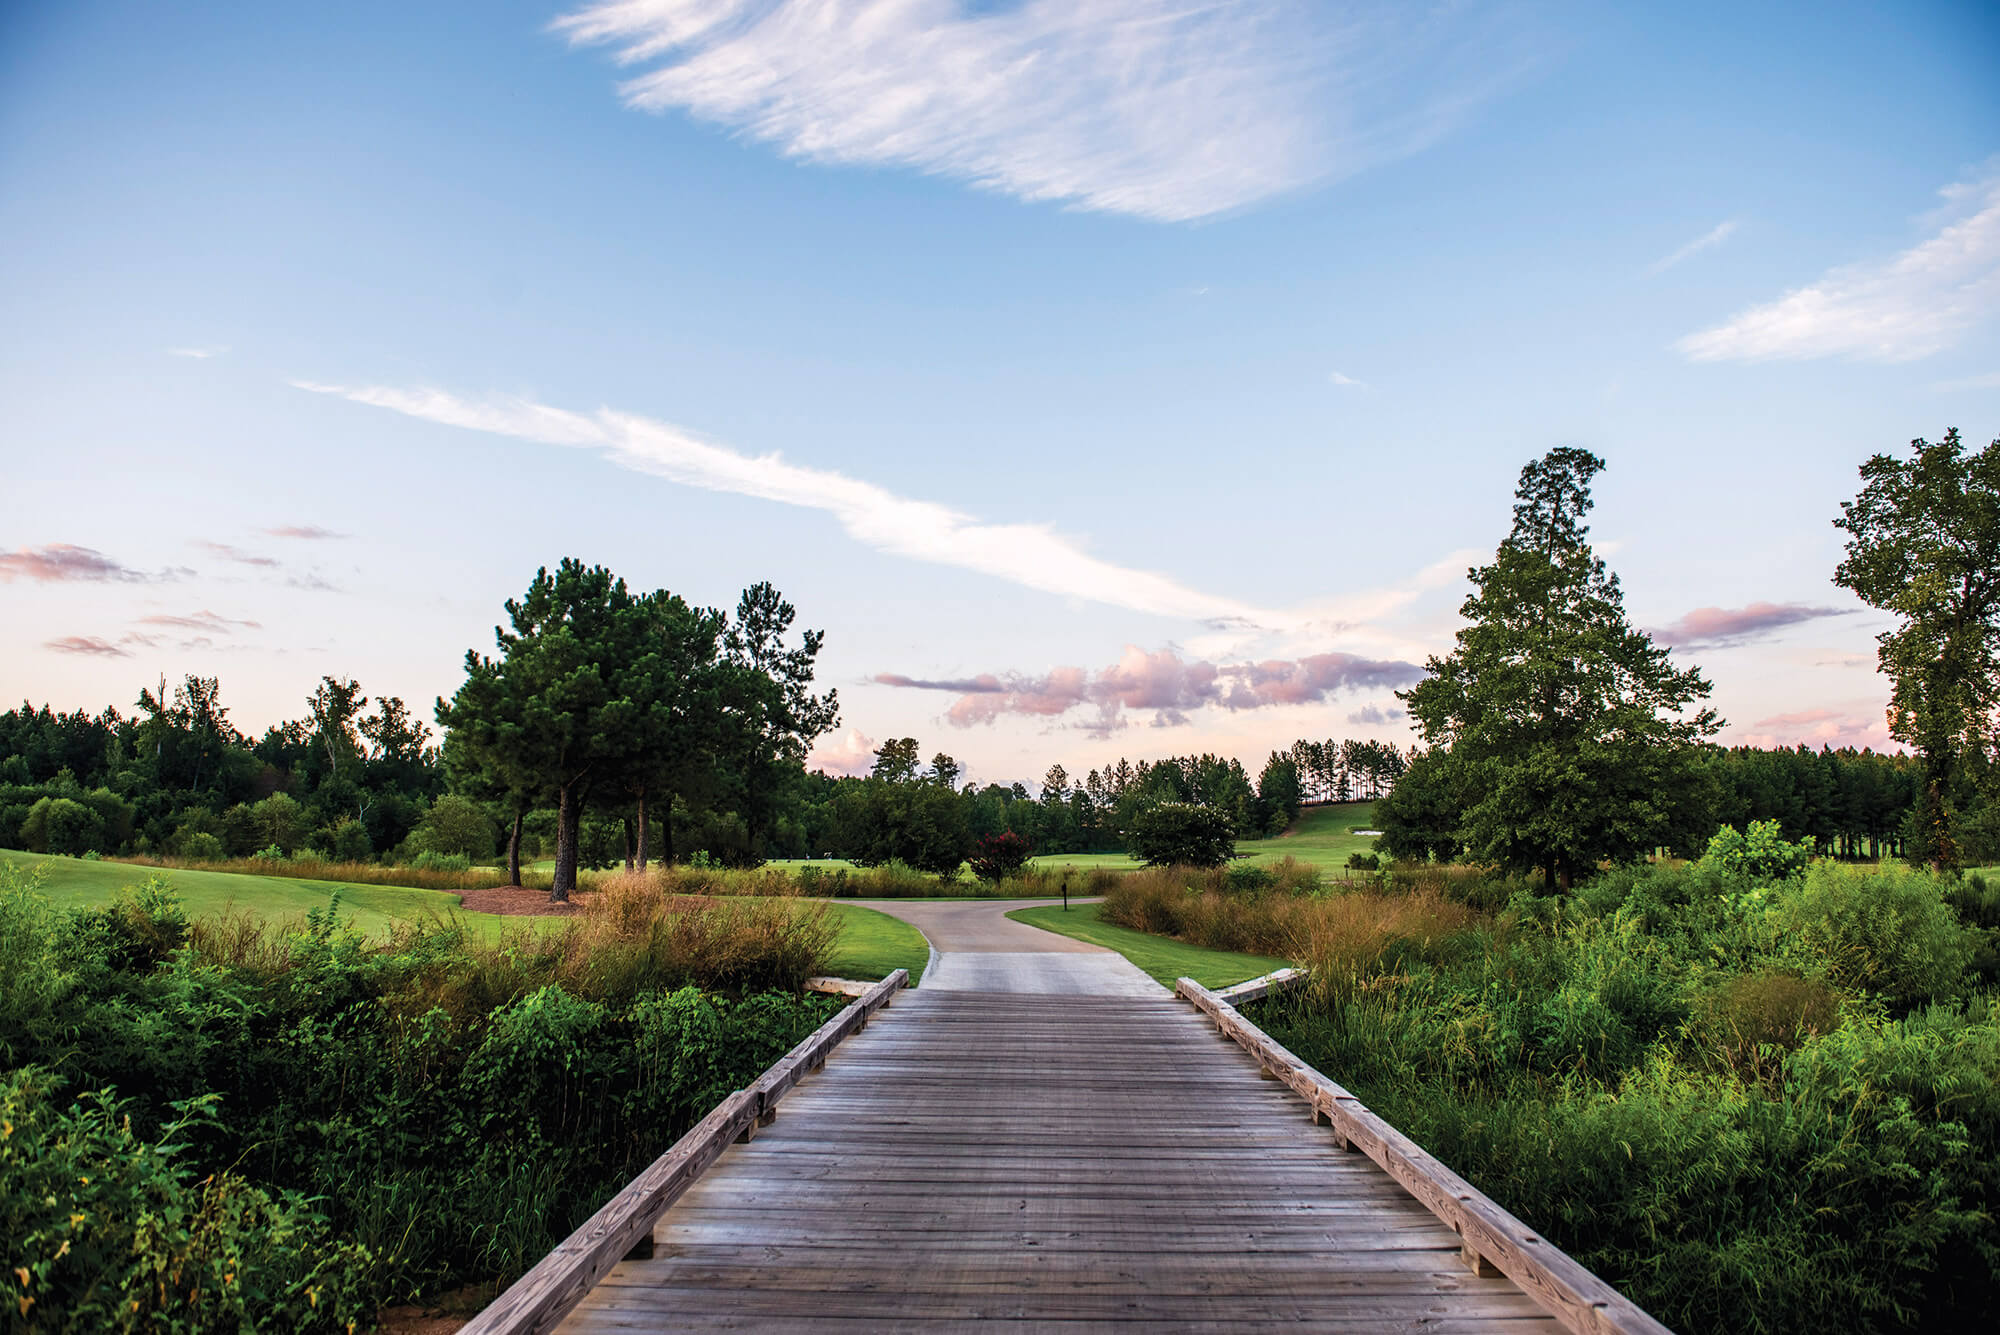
[(1182, 834), (429, 861), (61, 825), (201, 846), (348, 841), (1760, 853), (1886, 930), (103, 1230)]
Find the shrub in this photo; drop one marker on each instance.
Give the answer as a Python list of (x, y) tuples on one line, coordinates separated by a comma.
[(429, 861), (1752, 1017), (200, 846), (1364, 862), (1182, 834), (61, 825), (268, 853), (348, 841), (102, 1230), (1760, 853), (998, 856), (1884, 930), (454, 824), (280, 822)]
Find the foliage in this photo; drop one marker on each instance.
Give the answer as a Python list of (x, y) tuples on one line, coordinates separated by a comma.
[(995, 857), (1761, 853), (102, 1230), (1772, 1109), (1567, 732), (452, 1108), (918, 823), (1183, 834), (1923, 542)]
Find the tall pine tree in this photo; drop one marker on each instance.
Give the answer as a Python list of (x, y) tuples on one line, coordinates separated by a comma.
[(1569, 736)]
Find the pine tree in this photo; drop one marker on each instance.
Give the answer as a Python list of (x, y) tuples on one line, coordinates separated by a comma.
[(1568, 733)]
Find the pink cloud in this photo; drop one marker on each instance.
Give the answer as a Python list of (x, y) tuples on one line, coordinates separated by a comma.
[(1819, 727), (202, 621), (236, 554), (849, 752), (308, 532), (1160, 681), (63, 561), (1722, 627), (85, 644)]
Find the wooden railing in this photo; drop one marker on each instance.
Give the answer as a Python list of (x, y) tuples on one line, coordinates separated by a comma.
[(1491, 1238), (542, 1297)]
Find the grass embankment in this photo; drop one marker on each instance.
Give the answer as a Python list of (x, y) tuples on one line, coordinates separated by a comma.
[(1321, 837), (1166, 960), (872, 945)]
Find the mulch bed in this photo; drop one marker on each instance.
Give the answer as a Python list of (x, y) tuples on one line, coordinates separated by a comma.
[(515, 901)]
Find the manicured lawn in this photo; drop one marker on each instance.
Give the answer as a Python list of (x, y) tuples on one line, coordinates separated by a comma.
[(871, 944), (209, 893), (1165, 959), (1321, 836), (874, 944)]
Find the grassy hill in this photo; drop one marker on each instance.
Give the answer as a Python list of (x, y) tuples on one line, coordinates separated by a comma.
[(1321, 836)]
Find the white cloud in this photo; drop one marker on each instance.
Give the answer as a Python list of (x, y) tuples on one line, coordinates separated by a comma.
[(1713, 237), (1899, 310), (1164, 109), (1028, 554), (1347, 381), (199, 354)]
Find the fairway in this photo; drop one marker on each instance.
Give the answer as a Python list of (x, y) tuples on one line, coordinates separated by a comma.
[(1163, 957), (1322, 837), (871, 944)]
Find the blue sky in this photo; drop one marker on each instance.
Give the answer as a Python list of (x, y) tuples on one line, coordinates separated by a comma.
[(1129, 378)]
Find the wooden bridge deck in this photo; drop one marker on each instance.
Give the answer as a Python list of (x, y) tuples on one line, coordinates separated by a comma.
[(1011, 1161)]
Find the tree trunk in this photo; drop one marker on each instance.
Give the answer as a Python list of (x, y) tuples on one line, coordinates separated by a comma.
[(643, 850), (569, 822), (625, 828), (514, 851)]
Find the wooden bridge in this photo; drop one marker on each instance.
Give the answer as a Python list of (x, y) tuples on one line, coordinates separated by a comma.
[(1061, 1161)]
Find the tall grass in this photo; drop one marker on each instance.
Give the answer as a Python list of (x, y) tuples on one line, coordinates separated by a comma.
[(1335, 933), (308, 868)]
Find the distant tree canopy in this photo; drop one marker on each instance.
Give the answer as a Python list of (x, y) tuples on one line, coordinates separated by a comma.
[(1923, 542), (1561, 736)]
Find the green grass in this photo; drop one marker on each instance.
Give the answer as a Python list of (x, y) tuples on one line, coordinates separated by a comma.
[(871, 944), (1322, 837), (73, 881), (874, 944), (1163, 958)]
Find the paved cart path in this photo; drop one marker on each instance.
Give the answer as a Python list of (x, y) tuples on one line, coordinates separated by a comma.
[(978, 948)]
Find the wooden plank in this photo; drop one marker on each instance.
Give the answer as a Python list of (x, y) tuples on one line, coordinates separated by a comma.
[(1577, 1298), (1256, 989), (839, 987), (539, 1299)]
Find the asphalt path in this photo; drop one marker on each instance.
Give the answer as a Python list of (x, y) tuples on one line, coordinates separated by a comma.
[(976, 947)]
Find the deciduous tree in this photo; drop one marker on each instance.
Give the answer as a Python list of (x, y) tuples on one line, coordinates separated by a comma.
[(1923, 542)]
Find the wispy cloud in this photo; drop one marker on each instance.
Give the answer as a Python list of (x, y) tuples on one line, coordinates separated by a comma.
[(1724, 627), (236, 554), (1894, 311), (1375, 715), (207, 622), (199, 354), (1028, 554), (89, 645), (62, 561), (1715, 236), (304, 532), (1161, 681), (1347, 381), (1164, 109)]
